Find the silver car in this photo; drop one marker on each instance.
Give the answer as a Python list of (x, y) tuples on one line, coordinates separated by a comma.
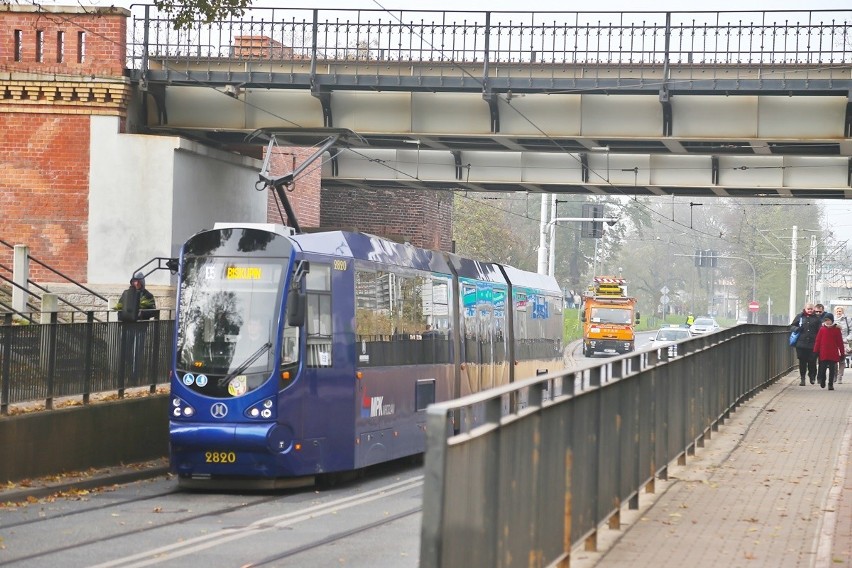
[(668, 335), (703, 325)]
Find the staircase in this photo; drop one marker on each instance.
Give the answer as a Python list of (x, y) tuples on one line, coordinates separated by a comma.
[(74, 301)]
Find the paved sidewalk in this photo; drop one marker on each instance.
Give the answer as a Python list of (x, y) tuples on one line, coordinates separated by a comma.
[(772, 488)]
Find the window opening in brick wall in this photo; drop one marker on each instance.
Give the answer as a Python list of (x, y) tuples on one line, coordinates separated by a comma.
[(19, 45), (60, 47), (81, 47), (39, 46)]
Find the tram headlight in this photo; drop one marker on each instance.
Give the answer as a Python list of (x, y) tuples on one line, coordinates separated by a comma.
[(262, 410), (180, 408)]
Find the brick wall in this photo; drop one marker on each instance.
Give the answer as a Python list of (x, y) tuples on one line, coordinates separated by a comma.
[(44, 190), (422, 218), (304, 192), (63, 39), (63, 65)]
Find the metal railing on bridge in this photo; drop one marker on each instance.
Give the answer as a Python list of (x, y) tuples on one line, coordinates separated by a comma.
[(42, 362), (533, 482), (465, 49)]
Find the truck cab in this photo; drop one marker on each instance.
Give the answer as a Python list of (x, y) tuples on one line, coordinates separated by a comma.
[(608, 315)]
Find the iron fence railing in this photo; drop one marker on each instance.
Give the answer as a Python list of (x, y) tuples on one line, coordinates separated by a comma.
[(45, 361), (535, 481), (807, 41)]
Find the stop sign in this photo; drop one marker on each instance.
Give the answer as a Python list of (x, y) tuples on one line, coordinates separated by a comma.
[(753, 306)]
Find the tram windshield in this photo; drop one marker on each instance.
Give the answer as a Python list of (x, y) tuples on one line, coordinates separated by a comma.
[(227, 318)]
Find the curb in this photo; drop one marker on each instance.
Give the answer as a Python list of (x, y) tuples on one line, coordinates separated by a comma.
[(101, 478)]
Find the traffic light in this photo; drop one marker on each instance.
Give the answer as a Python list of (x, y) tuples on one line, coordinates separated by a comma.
[(592, 229), (705, 258)]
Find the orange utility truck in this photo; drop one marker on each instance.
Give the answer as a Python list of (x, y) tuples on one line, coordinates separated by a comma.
[(608, 317)]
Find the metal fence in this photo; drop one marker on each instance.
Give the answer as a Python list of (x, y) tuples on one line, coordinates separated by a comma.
[(534, 482), (805, 42), (41, 362)]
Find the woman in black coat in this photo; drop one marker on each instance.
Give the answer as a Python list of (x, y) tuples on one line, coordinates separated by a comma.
[(807, 323)]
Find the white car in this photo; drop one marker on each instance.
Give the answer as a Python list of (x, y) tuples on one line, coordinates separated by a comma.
[(703, 325), (668, 335)]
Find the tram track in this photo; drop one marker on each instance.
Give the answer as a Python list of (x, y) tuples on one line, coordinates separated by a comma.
[(333, 538), (68, 514), (89, 542), (126, 540), (193, 546)]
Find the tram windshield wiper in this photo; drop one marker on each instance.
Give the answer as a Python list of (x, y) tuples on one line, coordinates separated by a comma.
[(246, 364)]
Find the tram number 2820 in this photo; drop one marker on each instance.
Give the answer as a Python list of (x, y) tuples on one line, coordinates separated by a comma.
[(220, 457)]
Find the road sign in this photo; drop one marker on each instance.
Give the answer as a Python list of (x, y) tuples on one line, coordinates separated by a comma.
[(753, 306), (664, 299)]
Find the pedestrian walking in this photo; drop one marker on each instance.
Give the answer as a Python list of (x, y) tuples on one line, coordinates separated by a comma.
[(842, 321), (807, 324), (830, 348)]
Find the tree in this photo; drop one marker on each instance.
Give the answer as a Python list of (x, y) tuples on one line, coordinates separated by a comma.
[(184, 14), (496, 228)]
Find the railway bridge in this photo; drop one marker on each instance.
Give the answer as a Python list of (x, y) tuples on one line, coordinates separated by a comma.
[(668, 103)]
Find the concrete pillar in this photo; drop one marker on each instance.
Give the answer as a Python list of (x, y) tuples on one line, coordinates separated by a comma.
[(49, 305), (20, 276)]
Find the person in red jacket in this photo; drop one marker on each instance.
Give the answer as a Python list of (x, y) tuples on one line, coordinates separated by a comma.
[(830, 349)]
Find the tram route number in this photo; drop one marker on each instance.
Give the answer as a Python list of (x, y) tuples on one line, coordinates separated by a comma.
[(340, 265), (220, 457)]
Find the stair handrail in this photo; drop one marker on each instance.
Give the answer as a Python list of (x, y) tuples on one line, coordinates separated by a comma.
[(43, 289), (7, 309), (58, 273)]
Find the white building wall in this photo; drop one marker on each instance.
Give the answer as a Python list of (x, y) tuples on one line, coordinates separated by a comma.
[(147, 194)]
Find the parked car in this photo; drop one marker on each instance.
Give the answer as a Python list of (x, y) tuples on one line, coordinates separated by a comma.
[(703, 325), (742, 320), (668, 335)]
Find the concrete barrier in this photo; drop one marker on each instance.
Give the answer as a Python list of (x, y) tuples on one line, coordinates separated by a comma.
[(78, 438)]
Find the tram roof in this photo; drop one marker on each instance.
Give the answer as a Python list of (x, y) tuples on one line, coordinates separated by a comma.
[(364, 246)]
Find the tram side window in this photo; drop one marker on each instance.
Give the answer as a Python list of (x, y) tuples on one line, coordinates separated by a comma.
[(401, 318), (537, 326), (318, 323)]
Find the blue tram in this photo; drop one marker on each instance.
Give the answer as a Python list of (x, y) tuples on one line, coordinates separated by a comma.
[(299, 355)]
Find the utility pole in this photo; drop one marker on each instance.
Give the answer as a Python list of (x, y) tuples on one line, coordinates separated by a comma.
[(542, 266), (542, 237), (793, 308)]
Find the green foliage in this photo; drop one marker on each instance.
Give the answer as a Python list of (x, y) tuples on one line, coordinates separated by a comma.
[(496, 228), (185, 14)]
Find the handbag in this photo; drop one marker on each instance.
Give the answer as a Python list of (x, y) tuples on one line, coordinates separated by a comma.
[(794, 337)]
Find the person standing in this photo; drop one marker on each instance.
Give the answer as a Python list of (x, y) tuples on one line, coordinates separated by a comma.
[(807, 323), (842, 322), (830, 348), (136, 304)]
